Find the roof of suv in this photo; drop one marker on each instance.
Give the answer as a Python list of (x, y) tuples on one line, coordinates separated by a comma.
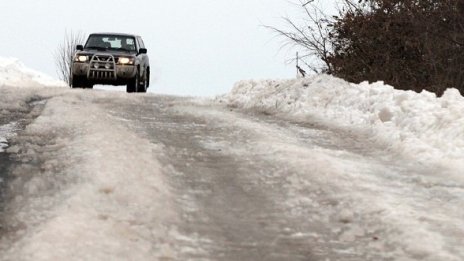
[(117, 34)]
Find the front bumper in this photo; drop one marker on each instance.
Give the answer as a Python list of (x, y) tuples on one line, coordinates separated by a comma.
[(104, 69)]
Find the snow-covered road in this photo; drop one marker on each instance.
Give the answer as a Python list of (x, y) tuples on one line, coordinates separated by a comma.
[(100, 175)]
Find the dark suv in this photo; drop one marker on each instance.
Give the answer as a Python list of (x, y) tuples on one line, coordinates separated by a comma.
[(113, 59)]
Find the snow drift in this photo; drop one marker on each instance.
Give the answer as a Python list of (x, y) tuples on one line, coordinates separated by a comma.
[(15, 73), (416, 125)]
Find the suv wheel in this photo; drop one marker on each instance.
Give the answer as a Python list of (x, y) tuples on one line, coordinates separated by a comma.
[(143, 84), (134, 84), (77, 82)]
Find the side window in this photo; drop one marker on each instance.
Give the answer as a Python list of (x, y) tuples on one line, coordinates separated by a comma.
[(141, 44)]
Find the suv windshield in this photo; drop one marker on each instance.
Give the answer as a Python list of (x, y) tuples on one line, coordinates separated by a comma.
[(105, 42)]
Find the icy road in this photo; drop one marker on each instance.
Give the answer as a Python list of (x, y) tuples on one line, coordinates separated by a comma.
[(95, 175)]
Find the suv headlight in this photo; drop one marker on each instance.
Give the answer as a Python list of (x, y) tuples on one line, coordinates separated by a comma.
[(126, 60), (81, 58)]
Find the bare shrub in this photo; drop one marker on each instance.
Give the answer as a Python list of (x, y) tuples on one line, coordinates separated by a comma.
[(410, 44), (65, 52), (311, 38)]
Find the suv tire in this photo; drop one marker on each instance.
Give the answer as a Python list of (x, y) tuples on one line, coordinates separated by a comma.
[(77, 82), (133, 84), (143, 84)]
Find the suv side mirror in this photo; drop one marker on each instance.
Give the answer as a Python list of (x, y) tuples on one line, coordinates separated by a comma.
[(80, 47), (143, 51)]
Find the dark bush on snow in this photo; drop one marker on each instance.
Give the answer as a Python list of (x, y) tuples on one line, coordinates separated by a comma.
[(410, 44)]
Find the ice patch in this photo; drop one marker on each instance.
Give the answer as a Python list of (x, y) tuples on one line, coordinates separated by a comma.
[(3, 144), (88, 188), (7, 131)]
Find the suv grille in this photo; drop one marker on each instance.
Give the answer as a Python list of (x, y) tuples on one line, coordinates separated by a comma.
[(102, 67)]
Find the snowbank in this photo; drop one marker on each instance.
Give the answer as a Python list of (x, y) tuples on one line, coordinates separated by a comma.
[(420, 125), (15, 73)]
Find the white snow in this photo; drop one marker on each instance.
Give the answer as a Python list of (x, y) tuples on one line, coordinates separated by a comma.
[(15, 73), (96, 182), (90, 188), (418, 198), (414, 211), (418, 126), (92, 181)]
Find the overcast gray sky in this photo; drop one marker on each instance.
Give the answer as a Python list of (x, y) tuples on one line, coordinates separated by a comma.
[(196, 48)]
